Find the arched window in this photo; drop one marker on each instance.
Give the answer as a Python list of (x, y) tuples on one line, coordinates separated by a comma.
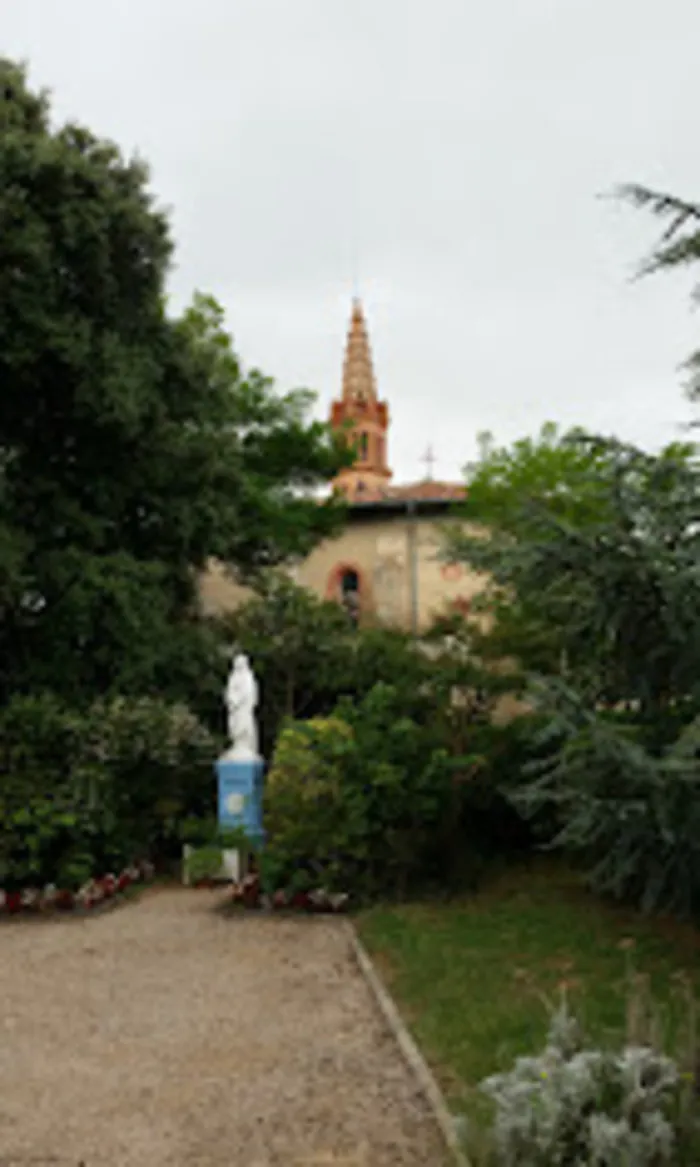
[(364, 446), (347, 585), (350, 593)]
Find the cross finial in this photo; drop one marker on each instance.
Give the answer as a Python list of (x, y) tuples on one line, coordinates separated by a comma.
[(429, 459)]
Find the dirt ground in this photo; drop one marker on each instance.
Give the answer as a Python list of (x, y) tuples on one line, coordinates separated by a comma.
[(166, 1032)]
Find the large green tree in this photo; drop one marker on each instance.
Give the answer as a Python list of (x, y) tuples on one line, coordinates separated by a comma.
[(133, 446), (591, 558), (592, 548)]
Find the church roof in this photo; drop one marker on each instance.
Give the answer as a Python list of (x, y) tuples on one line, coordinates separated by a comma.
[(426, 490)]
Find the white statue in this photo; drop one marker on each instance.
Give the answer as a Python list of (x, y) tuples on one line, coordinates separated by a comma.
[(241, 698)]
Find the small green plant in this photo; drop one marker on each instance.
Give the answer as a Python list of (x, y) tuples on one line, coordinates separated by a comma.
[(209, 842), (197, 832), (234, 839), (204, 863)]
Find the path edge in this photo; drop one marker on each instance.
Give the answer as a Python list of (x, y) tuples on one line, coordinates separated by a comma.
[(409, 1050)]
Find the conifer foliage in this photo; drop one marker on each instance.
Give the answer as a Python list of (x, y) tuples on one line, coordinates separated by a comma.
[(593, 553)]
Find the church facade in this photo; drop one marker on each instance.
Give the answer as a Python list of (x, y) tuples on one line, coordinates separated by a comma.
[(385, 565)]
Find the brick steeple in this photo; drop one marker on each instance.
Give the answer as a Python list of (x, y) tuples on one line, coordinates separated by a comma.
[(358, 372), (359, 408)]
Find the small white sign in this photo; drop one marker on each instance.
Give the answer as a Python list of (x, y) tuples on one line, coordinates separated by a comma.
[(231, 865), (235, 803)]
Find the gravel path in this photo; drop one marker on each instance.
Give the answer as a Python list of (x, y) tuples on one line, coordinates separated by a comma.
[(168, 1033)]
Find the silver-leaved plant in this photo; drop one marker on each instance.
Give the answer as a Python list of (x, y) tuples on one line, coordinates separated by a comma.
[(577, 1107)]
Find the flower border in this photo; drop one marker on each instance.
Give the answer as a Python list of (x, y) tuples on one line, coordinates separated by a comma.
[(51, 899), (248, 894)]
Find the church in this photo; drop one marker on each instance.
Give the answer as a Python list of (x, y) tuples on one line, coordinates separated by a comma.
[(384, 566)]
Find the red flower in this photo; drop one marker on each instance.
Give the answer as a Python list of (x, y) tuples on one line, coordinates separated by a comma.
[(13, 901), (251, 891)]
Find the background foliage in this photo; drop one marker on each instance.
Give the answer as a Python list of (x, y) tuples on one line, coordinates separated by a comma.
[(594, 566), (133, 445), (81, 794), (134, 448)]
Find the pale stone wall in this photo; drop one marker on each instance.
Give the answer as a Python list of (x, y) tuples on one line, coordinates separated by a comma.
[(379, 549), (380, 552)]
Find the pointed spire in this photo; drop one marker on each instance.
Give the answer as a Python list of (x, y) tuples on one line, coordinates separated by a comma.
[(358, 373), (359, 411)]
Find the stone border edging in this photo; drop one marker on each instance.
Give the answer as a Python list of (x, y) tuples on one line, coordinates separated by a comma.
[(410, 1051)]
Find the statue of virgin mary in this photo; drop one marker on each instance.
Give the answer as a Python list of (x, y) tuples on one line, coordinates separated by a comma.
[(241, 699)]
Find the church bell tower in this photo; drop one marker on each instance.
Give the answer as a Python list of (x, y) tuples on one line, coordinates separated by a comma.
[(365, 416)]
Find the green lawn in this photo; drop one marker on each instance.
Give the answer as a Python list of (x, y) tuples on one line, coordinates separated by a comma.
[(469, 975)]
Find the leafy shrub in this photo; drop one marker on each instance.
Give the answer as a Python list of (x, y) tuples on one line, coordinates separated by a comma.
[(631, 813), (156, 760), (45, 829), (52, 839), (307, 813), (490, 818), (404, 774), (355, 801), (85, 792), (38, 735), (392, 657), (597, 1108)]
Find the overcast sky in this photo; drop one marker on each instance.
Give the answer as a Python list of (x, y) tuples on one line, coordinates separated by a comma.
[(443, 158)]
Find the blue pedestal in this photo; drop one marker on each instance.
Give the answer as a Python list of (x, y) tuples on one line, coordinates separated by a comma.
[(240, 786)]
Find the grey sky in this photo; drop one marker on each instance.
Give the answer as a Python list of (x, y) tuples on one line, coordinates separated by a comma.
[(446, 156)]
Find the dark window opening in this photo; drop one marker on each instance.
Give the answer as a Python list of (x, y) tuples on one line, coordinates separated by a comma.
[(350, 594), (364, 447)]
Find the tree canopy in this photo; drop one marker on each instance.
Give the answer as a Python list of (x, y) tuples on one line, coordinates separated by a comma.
[(134, 446), (591, 549), (591, 555)]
